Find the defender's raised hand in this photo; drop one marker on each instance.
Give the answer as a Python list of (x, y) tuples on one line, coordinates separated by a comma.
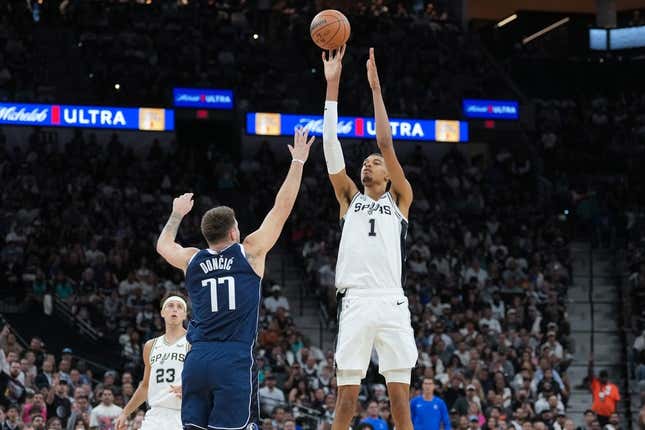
[(300, 149), (333, 62), (372, 72)]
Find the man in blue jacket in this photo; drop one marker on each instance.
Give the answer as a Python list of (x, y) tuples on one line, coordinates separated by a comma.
[(429, 411)]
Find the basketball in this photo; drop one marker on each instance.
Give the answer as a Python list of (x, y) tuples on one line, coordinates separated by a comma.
[(330, 29)]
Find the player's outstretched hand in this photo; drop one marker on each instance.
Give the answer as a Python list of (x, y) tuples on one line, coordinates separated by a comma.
[(372, 72), (333, 62), (183, 204), (176, 390), (300, 149), (121, 422)]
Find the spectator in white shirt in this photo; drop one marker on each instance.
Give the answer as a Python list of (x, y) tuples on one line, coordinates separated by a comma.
[(275, 300), (498, 307), (475, 271), (270, 396), (490, 321), (554, 345), (639, 342), (127, 286)]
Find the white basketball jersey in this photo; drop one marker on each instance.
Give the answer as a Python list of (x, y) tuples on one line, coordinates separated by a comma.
[(372, 244), (166, 365)]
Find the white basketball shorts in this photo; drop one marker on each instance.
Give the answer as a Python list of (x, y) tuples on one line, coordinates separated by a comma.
[(378, 318), (158, 418)]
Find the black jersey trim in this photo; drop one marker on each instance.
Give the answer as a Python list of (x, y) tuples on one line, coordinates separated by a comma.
[(404, 257), (396, 207)]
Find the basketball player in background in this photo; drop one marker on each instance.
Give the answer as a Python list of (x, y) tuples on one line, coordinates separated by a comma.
[(372, 308), (163, 358), (220, 385)]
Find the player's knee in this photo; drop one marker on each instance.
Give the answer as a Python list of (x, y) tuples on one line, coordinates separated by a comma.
[(349, 377), (399, 376)]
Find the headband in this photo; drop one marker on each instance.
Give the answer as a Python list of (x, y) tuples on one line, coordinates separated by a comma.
[(175, 299)]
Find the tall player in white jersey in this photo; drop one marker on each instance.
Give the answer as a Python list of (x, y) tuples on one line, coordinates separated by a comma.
[(163, 358), (373, 310)]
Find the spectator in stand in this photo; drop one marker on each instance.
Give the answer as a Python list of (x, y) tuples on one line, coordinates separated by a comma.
[(605, 394), (276, 300), (12, 391), (58, 403), (428, 411), (12, 418), (105, 414), (81, 411), (270, 396), (373, 418)]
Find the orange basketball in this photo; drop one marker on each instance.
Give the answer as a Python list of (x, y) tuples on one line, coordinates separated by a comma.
[(330, 29)]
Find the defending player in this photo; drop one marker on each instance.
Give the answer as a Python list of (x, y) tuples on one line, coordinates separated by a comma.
[(163, 358), (373, 310), (223, 283)]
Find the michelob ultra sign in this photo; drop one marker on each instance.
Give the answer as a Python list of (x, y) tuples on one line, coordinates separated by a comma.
[(144, 119), (277, 124)]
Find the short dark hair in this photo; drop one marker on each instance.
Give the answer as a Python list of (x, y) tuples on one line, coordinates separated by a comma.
[(374, 154), (216, 223)]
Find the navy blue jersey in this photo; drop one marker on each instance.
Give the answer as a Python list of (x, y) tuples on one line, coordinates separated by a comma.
[(225, 295)]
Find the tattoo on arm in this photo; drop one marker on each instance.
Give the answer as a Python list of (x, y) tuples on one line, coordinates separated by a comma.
[(172, 226)]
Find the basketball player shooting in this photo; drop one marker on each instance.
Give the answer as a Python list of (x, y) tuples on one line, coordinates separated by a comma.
[(372, 308), (163, 358), (219, 381)]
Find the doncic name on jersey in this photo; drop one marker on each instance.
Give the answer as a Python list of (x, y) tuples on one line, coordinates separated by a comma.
[(216, 263)]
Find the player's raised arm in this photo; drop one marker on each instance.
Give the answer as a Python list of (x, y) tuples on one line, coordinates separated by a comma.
[(401, 188), (171, 251), (260, 242), (344, 187)]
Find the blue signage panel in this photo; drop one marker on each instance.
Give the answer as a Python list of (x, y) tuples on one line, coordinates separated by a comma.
[(626, 38), (203, 98), (598, 39), (276, 124), (145, 119), (491, 109)]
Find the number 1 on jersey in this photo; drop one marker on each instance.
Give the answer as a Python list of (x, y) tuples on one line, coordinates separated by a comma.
[(372, 225), (213, 283)]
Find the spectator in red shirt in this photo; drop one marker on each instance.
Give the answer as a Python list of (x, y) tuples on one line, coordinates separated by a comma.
[(605, 394)]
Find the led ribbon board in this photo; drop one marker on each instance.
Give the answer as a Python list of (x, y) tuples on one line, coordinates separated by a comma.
[(491, 109), (144, 119), (203, 98), (277, 124)]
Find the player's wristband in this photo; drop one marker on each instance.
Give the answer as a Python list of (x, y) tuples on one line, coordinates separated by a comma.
[(299, 161)]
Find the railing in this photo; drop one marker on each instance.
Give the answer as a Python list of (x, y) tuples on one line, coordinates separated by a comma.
[(65, 311), (16, 308), (323, 323), (625, 332), (23, 342)]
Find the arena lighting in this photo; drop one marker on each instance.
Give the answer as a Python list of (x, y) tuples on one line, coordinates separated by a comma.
[(545, 30), (505, 21), (117, 87), (255, 36)]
